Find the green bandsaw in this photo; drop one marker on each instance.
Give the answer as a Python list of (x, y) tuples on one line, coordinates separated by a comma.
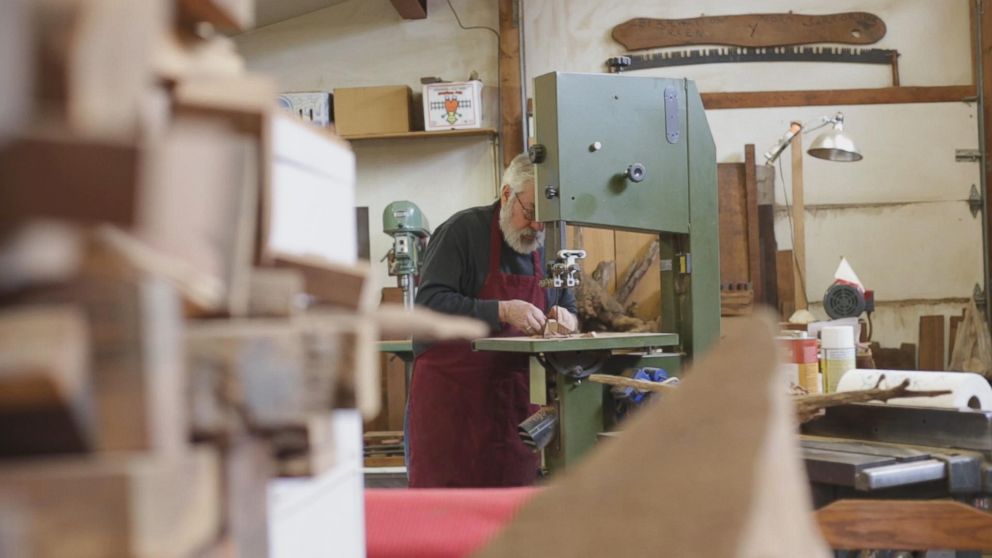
[(628, 153)]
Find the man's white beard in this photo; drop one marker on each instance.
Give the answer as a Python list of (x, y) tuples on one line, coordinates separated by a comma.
[(523, 241)]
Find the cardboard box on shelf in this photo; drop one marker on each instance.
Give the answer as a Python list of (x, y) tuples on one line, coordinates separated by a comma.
[(453, 106), (372, 110)]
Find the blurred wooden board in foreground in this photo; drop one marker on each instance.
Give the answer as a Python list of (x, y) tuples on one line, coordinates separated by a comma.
[(136, 344), (46, 400), (121, 504)]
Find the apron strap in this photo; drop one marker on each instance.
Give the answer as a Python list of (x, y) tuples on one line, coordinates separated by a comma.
[(495, 242), (536, 258)]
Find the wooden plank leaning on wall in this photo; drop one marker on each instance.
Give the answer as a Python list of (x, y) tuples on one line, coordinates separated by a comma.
[(511, 112)]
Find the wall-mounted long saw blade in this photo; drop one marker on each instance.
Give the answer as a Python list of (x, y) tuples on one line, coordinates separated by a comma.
[(728, 55)]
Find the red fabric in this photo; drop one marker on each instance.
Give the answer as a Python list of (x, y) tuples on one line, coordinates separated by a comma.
[(465, 405), (437, 523)]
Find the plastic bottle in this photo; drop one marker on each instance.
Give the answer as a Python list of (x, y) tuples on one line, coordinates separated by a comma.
[(837, 354)]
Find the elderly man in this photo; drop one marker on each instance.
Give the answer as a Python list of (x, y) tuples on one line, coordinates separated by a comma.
[(484, 262)]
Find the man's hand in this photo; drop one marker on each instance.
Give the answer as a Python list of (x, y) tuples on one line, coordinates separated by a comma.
[(565, 318), (522, 315)]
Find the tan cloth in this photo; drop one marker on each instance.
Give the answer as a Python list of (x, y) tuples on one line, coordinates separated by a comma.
[(712, 470)]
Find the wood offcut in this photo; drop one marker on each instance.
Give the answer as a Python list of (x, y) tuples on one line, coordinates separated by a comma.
[(809, 406), (640, 385)]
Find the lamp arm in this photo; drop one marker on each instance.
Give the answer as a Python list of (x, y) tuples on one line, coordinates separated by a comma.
[(823, 121), (804, 128)]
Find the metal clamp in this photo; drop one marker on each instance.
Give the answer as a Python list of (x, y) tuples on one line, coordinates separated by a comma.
[(564, 271), (900, 474)]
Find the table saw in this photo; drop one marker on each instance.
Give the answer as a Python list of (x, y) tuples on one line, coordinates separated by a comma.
[(891, 451)]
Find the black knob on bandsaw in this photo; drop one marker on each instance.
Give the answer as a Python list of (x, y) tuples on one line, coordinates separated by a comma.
[(617, 64), (537, 153), (635, 172)]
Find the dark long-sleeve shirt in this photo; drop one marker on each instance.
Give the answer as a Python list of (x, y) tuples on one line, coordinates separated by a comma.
[(456, 264)]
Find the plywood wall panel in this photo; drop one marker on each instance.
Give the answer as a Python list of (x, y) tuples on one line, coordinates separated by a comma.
[(918, 251), (600, 246), (442, 176), (908, 151), (630, 247), (358, 43), (893, 323)]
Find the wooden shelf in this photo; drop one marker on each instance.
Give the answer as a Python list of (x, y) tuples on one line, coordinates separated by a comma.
[(268, 12), (415, 135)]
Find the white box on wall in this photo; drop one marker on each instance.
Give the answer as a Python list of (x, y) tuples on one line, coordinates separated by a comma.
[(453, 106), (313, 106)]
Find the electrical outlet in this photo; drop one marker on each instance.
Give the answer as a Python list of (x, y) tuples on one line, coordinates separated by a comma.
[(314, 106)]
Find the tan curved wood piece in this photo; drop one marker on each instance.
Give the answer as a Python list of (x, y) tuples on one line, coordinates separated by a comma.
[(751, 30)]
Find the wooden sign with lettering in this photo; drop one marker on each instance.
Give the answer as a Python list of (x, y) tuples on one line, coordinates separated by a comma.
[(751, 30)]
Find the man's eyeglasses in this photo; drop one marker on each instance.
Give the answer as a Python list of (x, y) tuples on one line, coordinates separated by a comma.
[(527, 212)]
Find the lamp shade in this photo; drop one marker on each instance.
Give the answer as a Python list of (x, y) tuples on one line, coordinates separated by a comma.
[(834, 145)]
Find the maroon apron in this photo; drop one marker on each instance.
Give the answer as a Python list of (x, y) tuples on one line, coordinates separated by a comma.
[(465, 405)]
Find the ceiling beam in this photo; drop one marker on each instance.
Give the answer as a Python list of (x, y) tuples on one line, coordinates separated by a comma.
[(411, 9), (226, 15), (871, 96)]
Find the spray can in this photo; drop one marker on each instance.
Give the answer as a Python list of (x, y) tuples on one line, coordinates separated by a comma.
[(800, 363), (837, 354)]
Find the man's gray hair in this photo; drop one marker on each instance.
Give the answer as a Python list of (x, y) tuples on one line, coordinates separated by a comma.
[(519, 173)]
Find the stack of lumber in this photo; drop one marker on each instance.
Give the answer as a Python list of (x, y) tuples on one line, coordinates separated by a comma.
[(157, 365)]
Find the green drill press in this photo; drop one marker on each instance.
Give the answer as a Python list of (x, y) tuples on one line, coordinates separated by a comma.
[(408, 226)]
